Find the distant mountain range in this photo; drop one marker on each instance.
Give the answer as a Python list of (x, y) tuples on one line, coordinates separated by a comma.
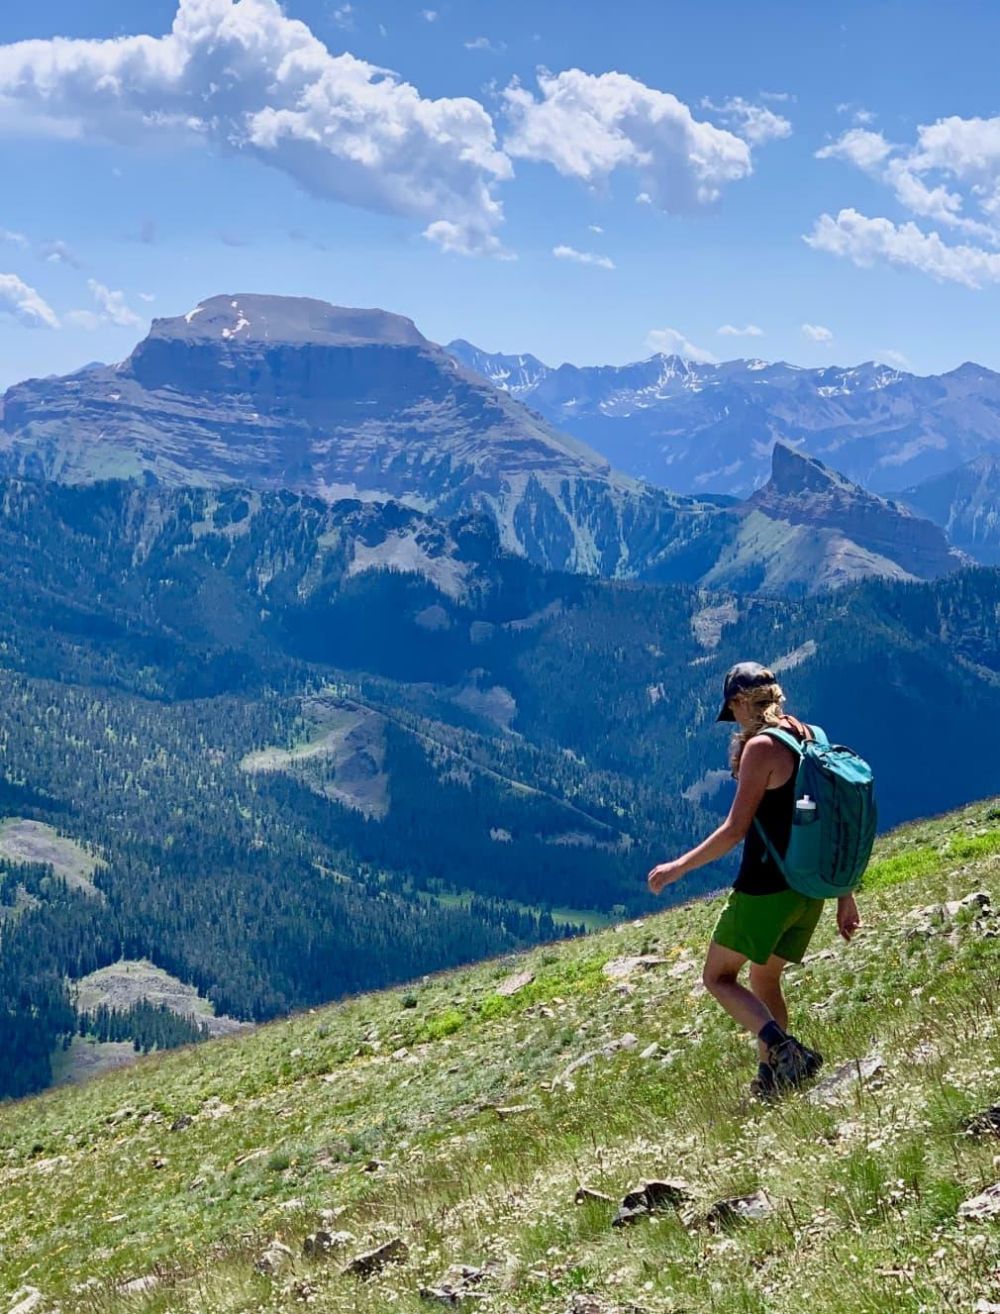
[(697, 427), (290, 393)]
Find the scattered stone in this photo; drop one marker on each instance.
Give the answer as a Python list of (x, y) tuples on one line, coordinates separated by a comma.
[(984, 1205), (510, 985), (249, 1156), (138, 1286), (617, 969), (373, 1166), (400, 1054), (627, 1041), (986, 1123), (328, 1217), (978, 901), (740, 1209), (455, 1286), (318, 1244), (650, 1198), (275, 1257), (587, 1195), (288, 1206), (584, 1302), (984, 1306), (682, 967), (182, 1123), (844, 1077), (512, 1110), (650, 1051), (371, 1261), (26, 1300)]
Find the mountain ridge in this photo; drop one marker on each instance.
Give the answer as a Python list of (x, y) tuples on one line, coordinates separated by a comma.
[(692, 425)]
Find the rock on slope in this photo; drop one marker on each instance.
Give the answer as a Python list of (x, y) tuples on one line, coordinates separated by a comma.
[(288, 392), (694, 426)]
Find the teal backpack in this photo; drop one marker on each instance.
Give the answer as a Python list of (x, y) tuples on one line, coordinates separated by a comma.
[(833, 826)]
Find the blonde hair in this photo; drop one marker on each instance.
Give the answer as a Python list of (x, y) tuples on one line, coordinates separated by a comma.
[(766, 704)]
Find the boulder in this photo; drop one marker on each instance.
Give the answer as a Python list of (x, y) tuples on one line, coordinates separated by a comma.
[(275, 1257), (320, 1243), (372, 1261), (649, 1198), (985, 1123), (740, 1209), (984, 1205), (456, 1285), (180, 1124), (140, 1285), (510, 985), (26, 1300), (617, 969), (844, 1077)]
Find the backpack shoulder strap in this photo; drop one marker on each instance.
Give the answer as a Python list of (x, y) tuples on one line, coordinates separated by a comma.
[(783, 737), (819, 736)]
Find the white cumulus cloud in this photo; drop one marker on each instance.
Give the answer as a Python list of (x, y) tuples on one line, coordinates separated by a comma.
[(817, 333), (583, 257), (672, 342), (26, 305), (245, 78), (747, 331), (866, 241), (588, 125), (950, 175)]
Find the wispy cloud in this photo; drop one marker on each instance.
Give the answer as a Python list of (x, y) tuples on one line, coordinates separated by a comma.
[(112, 309), (25, 304), (756, 123), (583, 257), (867, 241), (817, 333), (747, 331), (484, 43), (672, 342)]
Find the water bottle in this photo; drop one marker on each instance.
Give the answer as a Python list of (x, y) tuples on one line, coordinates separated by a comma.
[(805, 811)]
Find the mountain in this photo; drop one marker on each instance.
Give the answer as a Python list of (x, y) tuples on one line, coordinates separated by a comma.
[(293, 749), (693, 427), (810, 529), (966, 503), (472, 1134), (287, 392)]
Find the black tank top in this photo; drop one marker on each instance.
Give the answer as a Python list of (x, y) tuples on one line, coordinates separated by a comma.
[(758, 873)]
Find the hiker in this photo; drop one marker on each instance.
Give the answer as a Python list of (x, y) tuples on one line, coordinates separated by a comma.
[(764, 920)]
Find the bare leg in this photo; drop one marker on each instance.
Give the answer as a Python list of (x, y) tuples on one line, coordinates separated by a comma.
[(722, 967), (765, 982)]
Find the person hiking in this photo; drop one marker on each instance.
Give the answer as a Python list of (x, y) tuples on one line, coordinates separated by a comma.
[(764, 921)]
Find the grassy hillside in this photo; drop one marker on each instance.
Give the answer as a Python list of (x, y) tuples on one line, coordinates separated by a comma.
[(443, 1115)]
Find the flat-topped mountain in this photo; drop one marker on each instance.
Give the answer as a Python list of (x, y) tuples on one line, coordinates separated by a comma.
[(693, 426), (288, 392)]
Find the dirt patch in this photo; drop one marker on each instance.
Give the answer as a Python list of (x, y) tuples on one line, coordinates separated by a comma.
[(22, 840), (128, 982), (344, 760)]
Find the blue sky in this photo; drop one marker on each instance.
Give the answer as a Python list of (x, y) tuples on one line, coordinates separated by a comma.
[(583, 181)]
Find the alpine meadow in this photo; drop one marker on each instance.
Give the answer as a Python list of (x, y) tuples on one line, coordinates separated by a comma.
[(499, 658)]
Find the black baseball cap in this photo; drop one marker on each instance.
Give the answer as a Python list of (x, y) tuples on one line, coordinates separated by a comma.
[(740, 678)]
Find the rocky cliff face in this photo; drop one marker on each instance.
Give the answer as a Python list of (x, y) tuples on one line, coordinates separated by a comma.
[(692, 427), (284, 392), (966, 504)]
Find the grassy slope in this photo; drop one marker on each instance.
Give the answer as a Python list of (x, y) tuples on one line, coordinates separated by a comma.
[(96, 1189)]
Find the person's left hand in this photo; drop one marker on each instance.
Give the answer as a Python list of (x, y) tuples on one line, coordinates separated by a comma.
[(663, 875)]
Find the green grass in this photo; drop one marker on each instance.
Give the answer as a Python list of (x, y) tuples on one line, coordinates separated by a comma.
[(96, 1189)]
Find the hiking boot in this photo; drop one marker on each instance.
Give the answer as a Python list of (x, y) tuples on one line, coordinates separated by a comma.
[(792, 1063), (764, 1086)]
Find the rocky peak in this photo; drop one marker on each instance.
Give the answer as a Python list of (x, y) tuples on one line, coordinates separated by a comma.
[(803, 491)]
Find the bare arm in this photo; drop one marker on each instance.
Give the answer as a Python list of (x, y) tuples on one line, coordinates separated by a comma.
[(761, 758)]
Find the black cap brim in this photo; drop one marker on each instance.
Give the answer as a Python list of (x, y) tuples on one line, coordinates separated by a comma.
[(726, 713)]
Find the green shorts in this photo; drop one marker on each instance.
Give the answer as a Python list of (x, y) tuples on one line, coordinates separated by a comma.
[(759, 925)]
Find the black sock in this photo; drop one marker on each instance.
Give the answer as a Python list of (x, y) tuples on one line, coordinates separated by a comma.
[(771, 1034)]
